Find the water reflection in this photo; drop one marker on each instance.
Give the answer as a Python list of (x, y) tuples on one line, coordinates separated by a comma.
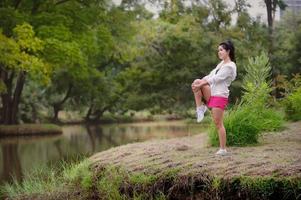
[(11, 165), (21, 154)]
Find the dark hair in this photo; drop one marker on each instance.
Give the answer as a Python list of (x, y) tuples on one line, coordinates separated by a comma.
[(228, 45)]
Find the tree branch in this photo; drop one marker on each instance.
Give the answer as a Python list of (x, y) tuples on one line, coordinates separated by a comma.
[(35, 7), (17, 3), (61, 2), (67, 94)]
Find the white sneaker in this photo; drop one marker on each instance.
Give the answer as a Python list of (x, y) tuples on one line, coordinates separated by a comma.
[(200, 113), (221, 152)]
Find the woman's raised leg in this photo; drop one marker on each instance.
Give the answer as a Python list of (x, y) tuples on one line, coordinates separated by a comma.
[(197, 93), (206, 92)]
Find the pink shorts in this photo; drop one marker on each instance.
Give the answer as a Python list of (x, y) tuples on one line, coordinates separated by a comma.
[(217, 102)]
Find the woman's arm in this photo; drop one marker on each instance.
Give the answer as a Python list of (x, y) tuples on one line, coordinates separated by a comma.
[(224, 73), (196, 86)]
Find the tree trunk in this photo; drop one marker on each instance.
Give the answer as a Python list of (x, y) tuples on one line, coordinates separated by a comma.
[(92, 138), (34, 113), (61, 2), (17, 96), (17, 3), (88, 115), (11, 102), (57, 107), (271, 7), (99, 112), (35, 7), (11, 163), (96, 114), (56, 110)]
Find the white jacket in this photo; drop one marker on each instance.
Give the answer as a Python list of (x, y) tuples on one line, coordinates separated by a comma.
[(220, 79)]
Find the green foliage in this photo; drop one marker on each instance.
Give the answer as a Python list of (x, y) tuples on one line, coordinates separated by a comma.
[(287, 50), (9, 19), (111, 180), (169, 59), (216, 183), (25, 38), (32, 102), (293, 105), (23, 45), (220, 13), (244, 125), (246, 121), (286, 86), (109, 183), (21, 53), (28, 59), (118, 58), (255, 82), (268, 187), (9, 51), (291, 91), (140, 178), (79, 173)]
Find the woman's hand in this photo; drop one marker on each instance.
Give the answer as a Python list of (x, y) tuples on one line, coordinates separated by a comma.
[(197, 84)]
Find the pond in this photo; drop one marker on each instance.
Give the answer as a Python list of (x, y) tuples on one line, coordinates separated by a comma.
[(20, 155)]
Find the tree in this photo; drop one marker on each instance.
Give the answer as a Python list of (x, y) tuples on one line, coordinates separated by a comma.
[(287, 48), (19, 57), (171, 57), (243, 17), (271, 6), (221, 16)]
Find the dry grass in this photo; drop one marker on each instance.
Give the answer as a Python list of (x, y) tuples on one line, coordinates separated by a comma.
[(277, 155)]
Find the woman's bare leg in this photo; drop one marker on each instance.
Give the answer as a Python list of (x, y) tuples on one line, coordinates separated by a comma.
[(197, 94), (198, 98), (206, 92), (218, 115)]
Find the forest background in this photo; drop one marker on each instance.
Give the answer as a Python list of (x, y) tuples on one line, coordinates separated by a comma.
[(101, 60)]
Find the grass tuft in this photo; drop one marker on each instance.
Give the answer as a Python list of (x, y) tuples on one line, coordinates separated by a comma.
[(79, 173), (38, 182)]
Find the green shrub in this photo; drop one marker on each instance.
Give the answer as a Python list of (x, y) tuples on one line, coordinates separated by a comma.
[(293, 105), (271, 120), (245, 124), (291, 91), (242, 128)]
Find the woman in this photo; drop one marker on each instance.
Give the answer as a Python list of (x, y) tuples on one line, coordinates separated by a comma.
[(214, 89)]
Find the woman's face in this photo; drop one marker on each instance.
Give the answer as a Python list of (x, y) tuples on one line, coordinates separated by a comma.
[(222, 53)]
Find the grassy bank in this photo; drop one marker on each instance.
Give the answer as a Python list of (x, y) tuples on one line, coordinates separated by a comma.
[(81, 182), (180, 168), (29, 129)]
